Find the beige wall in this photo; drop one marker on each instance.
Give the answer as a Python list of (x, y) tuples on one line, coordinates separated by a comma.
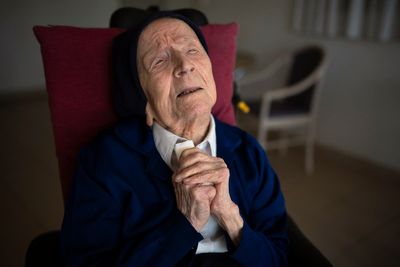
[(21, 66)]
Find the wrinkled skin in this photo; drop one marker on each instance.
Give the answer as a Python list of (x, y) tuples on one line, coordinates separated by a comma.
[(176, 75)]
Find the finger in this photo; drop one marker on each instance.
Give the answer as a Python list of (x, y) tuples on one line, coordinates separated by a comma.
[(185, 198), (191, 156), (213, 176), (182, 194), (189, 151), (178, 195), (200, 194), (211, 194), (198, 167), (203, 196)]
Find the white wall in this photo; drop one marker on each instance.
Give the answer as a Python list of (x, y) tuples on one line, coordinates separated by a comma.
[(360, 108), (359, 112), (21, 66)]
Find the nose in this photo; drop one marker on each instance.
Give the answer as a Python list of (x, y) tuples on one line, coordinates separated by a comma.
[(183, 65)]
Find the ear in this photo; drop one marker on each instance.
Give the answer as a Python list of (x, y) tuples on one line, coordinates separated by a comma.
[(149, 115)]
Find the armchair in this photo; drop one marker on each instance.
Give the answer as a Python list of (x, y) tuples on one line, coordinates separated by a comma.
[(292, 106), (78, 94)]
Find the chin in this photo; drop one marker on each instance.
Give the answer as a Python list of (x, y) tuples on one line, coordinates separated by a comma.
[(197, 112)]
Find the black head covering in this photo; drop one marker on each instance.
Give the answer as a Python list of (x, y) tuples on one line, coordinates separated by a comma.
[(129, 99)]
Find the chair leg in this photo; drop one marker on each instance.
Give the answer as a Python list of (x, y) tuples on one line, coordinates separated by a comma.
[(309, 150), (283, 142), (262, 136), (309, 159)]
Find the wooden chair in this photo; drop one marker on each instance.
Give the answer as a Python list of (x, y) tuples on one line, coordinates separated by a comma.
[(292, 106)]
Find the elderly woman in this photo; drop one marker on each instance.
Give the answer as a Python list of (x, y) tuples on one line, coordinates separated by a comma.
[(178, 188)]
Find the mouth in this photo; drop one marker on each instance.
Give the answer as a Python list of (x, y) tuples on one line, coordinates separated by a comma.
[(188, 91)]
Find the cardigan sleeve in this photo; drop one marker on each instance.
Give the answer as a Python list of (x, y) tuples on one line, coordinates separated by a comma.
[(264, 237), (91, 230)]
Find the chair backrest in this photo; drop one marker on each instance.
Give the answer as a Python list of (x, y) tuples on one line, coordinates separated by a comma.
[(305, 61), (127, 17), (77, 64)]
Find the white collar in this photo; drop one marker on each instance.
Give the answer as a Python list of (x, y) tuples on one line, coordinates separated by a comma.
[(165, 141)]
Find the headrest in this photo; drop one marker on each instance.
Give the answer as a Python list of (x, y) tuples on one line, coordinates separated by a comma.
[(77, 64)]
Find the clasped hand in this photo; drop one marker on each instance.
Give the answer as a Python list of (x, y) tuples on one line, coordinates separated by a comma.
[(201, 185)]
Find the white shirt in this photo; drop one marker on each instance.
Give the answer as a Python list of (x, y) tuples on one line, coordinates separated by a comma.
[(214, 239)]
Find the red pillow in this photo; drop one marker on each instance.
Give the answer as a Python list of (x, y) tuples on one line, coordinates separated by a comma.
[(221, 42), (77, 64)]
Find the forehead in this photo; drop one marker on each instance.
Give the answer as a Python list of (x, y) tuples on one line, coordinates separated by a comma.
[(163, 31)]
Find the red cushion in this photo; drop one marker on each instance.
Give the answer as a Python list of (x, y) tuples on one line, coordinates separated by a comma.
[(77, 64), (221, 42)]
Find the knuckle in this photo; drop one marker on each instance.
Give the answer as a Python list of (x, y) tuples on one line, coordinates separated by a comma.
[(212, 175), (209, 174), (215, 173), (183, 173), (220, 160), (187, 158), (225, 172), (196, 167), (197, 196), (194, 191), (187, 152), (211, 192), (186, 187)]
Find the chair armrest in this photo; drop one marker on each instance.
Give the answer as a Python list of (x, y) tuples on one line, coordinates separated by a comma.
[(44, 251), (267, 72), (301, 251), (285, 92)]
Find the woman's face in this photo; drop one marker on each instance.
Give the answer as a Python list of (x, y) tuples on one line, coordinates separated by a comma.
[(175, 73)]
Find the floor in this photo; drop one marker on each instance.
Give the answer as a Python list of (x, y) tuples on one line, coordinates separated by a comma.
[(349, 208)]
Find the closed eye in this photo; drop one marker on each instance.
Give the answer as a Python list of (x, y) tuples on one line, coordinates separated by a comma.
[(193, 51), (158, 62)]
